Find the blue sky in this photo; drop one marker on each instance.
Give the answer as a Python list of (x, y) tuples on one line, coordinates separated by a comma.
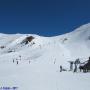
[(43, 17)]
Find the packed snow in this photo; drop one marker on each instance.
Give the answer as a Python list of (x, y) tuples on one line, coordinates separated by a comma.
[(34, 63)]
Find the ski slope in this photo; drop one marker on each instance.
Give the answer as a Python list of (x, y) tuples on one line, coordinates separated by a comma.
[(39, 60)]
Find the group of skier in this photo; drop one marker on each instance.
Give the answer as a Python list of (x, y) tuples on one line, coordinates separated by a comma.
[(18, 60), (75, 65)]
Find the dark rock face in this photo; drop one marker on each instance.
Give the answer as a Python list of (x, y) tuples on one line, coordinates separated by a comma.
[(28, 39)]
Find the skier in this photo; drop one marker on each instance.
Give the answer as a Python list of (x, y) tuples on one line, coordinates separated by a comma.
[(17, 62), (60, 68), (54, 61), (13, 60), (71, 65), (75, 69), (20, 57), (76, 64), (29, 61)]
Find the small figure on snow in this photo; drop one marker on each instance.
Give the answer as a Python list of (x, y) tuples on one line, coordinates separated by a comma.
[(29, 61), (54, 61), (17, 62), (60, 68), (71, 65), (77, 61), (13, 60), (20, 57)]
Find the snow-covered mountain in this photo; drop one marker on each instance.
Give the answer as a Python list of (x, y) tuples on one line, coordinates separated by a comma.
[(39, 59)]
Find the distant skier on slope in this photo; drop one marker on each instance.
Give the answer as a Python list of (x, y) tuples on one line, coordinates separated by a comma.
[(55, 61), (29, 61), (60, 68), (77, 61), (20, 57), (71, 65), (13, 60), (17, 62)]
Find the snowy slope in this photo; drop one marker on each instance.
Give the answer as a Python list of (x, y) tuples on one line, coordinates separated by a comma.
[(39, 60)]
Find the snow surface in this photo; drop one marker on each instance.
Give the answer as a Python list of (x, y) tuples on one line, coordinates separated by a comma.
[(38, 63)]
